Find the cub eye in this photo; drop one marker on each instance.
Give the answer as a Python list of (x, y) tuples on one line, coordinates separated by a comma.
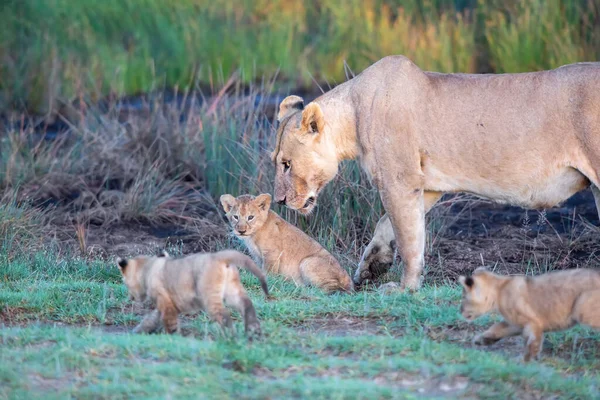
[(250, 217), (235, 217), (286, 166)]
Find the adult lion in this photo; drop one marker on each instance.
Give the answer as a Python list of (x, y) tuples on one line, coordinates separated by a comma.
[(530, 139)]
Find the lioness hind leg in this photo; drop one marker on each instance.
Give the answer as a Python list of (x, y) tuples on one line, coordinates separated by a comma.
[(496, 332), (586, 311), (149, 324), (596, 193)]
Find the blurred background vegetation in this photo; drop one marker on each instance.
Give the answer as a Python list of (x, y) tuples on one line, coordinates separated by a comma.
[(54, 51), (146, 111)]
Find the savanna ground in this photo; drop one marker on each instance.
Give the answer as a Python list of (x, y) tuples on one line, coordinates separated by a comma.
[(90, 168)]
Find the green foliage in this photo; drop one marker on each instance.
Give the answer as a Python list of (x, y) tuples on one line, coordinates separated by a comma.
[(55, 52)]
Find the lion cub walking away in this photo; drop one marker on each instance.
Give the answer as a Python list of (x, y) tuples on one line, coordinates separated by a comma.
[(532, 305), (284, 249), (196, 282)]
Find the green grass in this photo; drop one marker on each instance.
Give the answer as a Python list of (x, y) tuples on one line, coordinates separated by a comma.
[(56, 52), (69, 337)]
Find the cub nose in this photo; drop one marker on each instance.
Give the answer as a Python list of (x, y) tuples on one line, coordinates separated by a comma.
[(241, 231), (281, 201)]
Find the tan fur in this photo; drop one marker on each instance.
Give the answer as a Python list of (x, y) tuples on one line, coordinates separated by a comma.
[(284, 249), (532, 305), (530, 139), (196, 282)]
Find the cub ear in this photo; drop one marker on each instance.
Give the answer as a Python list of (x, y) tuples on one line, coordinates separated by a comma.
[(263, 201), (122, 263), (163, 253), (312, 118), (289, 105), (466, 281), (227, 202)]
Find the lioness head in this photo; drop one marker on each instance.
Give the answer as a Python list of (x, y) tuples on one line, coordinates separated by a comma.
[(305, 162), (479, 294), (132, 271), (246, 213)]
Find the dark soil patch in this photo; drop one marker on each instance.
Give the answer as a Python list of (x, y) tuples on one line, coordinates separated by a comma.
[(470, 233)]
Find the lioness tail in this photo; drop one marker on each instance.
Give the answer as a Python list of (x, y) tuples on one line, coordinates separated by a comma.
[(241, 260)]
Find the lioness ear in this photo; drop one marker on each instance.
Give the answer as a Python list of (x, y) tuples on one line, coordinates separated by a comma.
[(263, 201), (312, 118), (227, 202), (289, 105), (122, 263), (466, 281)]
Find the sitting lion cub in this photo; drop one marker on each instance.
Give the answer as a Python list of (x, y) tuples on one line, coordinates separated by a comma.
[(195, 282), (284, 249), (532, 305)]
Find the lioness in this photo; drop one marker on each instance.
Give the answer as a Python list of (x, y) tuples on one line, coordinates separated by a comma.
[(192, 283), (530, 139), (284, 249), (532, 305)]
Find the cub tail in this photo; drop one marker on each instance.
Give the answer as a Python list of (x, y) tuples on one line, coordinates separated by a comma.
[(241, 260)]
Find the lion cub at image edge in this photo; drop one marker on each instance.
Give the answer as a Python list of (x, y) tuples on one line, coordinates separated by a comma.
[(284, 249), (204, 281), (532, 305)]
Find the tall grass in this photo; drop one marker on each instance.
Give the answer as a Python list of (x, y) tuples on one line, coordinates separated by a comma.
[(54, 52)]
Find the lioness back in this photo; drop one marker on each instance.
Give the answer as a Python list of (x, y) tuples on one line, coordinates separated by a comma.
[(283, 248)]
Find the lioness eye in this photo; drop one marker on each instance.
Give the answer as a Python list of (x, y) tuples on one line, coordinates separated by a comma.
[(236, 217), (286, 166), (250, 217)]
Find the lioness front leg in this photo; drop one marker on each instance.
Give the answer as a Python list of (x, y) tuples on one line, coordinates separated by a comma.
[(496, 332), (378, 256), (149, 324), (405, 206)]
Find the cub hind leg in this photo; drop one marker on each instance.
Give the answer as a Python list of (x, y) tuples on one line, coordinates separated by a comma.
[(237, 297), (586, 310)]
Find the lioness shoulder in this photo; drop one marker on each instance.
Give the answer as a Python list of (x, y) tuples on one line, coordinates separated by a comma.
[(283, 248), (532, 305)]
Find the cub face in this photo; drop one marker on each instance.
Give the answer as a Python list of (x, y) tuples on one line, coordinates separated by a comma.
[(477, 297), (246, 214), (131, 271), (304, 161)]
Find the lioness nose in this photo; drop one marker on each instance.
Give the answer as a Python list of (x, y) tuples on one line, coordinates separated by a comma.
[(281, 201)]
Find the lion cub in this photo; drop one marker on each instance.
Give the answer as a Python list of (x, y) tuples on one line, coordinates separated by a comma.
[(532, 305), (195, 282), (284, 249)]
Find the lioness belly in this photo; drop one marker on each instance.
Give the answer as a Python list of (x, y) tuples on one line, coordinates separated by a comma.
[(538, 189)]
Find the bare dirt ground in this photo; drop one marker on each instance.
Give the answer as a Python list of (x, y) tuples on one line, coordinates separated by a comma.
[(464, 235)]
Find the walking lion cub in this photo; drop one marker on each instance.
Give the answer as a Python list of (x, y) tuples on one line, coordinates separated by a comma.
[(532, 305), (203, 281), (284, 249)]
